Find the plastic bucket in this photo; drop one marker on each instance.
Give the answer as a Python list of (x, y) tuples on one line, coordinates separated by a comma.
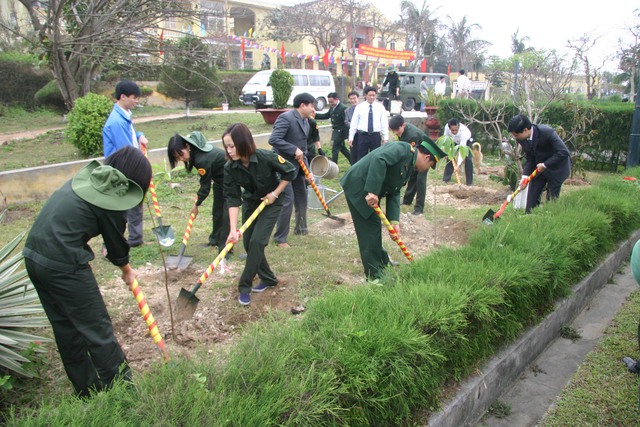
[(322, 167)]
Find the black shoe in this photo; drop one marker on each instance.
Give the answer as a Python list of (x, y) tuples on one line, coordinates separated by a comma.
[(416, 213), (207, 245), (406, 203), (136, 244)]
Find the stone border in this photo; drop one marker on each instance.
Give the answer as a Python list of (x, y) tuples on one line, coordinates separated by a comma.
[(477, 393)]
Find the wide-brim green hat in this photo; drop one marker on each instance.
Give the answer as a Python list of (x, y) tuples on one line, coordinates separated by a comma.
[(197, 139), (106, 187), (436, 152), (635, 262)]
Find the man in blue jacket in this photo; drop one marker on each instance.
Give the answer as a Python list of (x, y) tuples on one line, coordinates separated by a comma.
[(119, 132)]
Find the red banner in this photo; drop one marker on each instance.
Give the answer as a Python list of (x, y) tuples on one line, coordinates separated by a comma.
[(378, 52)]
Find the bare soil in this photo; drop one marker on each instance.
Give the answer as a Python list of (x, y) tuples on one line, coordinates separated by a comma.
[(219, 317)]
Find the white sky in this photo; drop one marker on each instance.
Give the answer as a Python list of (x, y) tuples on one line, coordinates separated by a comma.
[(547, 23)]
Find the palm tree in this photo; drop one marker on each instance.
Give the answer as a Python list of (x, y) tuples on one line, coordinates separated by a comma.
[(517, 44), (420, 26), (461, 43)]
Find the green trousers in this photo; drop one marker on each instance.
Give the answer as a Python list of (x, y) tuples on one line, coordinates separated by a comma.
[(368, 231)]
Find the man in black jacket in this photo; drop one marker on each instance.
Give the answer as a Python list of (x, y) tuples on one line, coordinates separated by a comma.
[(544, 151)]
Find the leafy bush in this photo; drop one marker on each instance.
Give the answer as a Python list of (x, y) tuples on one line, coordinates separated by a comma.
[(18, 305), (85, 122), (281, 82), (50, 96), (21, 79)]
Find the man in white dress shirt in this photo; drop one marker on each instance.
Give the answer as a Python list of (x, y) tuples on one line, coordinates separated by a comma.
[(464, 86), (370, 123)]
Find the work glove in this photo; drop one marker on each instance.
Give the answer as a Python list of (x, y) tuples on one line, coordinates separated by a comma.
[(321, 152)]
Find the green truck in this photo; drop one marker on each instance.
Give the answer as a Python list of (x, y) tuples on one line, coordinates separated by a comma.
[(410, 89)]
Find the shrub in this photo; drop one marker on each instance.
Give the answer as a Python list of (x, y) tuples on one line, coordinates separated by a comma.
[(21, 79), (85, 122), (50, 96), (281, 82)]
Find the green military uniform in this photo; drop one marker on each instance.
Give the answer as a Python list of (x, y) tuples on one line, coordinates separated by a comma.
[(260, 178), (209, 162), (57, 256), (417, 185), (340, 131), (383, 172)]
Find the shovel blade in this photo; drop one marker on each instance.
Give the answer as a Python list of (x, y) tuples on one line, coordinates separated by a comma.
[(165, 235), (186, 305), (487, 219), (335, 218), (178, 262)]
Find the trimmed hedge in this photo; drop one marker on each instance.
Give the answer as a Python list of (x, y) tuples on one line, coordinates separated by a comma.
[(381, 355), (20, 79), (610, 144)]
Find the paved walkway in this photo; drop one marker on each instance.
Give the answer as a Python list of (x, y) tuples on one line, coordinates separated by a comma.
[(12, 136)]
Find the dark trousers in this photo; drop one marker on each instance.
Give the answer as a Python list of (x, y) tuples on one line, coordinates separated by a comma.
[(255, 239), (338, 137), (416, 187), (81, 325), (295, 195), (468, 169), (220, 216), (367, 142), (369, 233), (134, 225), (537, 185), (354, 149)]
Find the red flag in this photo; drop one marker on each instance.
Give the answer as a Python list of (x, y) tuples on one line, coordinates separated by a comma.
[(449, 70), (244, 54), (423, 66), (282, 53), (161, 40), (325, 58)]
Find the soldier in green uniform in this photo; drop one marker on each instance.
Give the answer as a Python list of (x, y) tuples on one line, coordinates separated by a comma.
[(417, 185), (209, 161), (57, 256), (313, 139), (382, 173), (340, 130), (263, 175)]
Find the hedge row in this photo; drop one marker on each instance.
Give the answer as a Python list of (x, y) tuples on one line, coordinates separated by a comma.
[(380, 355), (608, 149)]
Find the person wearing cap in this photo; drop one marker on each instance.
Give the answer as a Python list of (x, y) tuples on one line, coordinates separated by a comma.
[(417, 184), (119, 132), (382, 173), (393, 80), (194, 151), (57, 256), (252, 176)]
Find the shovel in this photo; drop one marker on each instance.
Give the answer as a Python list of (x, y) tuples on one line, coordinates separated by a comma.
[(187, 301), (392, 230), (491, 216), (180, 261), (164, 233), (315, 188), (148, 318)]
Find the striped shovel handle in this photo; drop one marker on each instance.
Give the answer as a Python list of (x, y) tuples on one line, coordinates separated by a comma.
[(229, 245), (392, 230), (313, 185), (187, 233), (515, 193), (149, 319)]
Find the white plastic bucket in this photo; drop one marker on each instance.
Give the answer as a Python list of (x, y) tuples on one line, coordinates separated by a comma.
[(322, 167)]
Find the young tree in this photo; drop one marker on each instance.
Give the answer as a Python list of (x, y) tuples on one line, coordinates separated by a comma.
[(582, 47), (187, 75)]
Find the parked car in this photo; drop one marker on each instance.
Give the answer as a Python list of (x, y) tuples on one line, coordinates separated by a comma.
[(410, 88), (318, 83)]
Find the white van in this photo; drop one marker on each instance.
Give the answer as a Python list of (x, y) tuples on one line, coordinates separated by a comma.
[(318, 83)]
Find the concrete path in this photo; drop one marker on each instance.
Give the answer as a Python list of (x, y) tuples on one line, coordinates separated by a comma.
[(11, 136)]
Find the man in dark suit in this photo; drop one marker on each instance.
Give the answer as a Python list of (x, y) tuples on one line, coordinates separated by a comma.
[(544, 151), (289, 139), (340, 130)]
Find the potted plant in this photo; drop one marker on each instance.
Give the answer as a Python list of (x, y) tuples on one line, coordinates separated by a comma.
[(281, 82), (431, 100)]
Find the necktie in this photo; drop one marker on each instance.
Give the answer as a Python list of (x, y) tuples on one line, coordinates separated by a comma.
[(305, 126), (370, 123)]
